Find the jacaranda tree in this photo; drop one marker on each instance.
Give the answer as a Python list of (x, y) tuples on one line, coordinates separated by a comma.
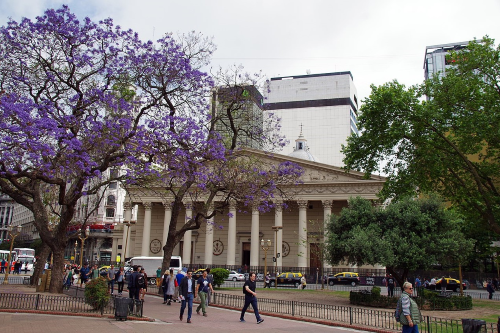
[(79, 97)]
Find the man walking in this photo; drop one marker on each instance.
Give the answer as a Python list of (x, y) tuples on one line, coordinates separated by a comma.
[(203, 288), (186, 289), (390, 286), (111, 279), (250, 298)]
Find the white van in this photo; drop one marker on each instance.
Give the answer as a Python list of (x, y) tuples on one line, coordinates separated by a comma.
[(151, 264)]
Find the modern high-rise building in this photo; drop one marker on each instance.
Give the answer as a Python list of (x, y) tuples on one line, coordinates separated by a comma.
[(326, 107), (435, 61), (244, 104)]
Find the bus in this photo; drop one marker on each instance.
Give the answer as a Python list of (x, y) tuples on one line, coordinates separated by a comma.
[(4, 255), (24, 252), (27, 258)]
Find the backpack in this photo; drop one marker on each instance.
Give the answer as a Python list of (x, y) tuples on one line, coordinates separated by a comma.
[(245, 292), (397, 313), (140, 282)]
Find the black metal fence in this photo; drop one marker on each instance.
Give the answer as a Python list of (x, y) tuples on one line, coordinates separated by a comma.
[(16, 279), (77, 292), (346, 314), (50, 303)]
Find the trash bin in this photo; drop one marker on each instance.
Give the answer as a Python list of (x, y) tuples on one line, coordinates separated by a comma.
[(473, 325), (122, 306)]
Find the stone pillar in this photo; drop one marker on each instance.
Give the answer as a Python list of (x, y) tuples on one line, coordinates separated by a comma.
[(255, 241), (166, 221), (186, 249), (146, 232), (231, 235), (209, 238), (126, 230), (302, 240), (327, 211), (278, 221)]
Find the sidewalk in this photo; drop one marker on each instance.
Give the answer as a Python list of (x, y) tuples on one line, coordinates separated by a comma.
[(166, 317)]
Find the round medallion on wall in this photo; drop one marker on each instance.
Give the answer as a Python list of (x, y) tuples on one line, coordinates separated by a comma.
[(218, 247), (155, 246), (286, 249)]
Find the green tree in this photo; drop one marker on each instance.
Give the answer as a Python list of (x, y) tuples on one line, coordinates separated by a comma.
[(448, 143), (405, 235), (220, 275)]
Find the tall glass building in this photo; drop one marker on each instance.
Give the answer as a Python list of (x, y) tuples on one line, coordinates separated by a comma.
[(435, 58)]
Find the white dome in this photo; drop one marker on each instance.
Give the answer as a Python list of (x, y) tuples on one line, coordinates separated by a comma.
[(302, 150)]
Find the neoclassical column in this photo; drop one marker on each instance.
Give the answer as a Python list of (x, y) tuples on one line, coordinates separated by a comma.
[(126, 229), (254, 235), (231, 235), (166, 220), (302, 240), (146, 232), (327, 211), (278, 221), (186, 249), (209, 238)]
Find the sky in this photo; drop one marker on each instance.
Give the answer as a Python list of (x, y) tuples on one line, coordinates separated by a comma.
[(377, 41)]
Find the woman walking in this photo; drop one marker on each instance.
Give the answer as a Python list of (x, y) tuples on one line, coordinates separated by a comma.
[(120, 280), (168, 286)]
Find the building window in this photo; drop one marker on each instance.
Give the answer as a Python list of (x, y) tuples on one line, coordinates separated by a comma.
[(111, 200), (110, 212), (113, 185), (113, 173)]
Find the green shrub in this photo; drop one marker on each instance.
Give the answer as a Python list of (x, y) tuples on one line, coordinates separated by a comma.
[(96, 293), (376, 291), (219, 274)]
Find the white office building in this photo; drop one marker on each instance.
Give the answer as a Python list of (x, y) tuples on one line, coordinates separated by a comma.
[(324, 106)]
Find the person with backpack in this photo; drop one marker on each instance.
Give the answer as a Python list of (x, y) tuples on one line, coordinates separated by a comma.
[(142, 283), (133, 291), (407, 312), (390, 285)]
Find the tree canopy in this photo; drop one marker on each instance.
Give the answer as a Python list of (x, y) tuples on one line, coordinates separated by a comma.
[(78, 98), (405, 235), (446, 143)]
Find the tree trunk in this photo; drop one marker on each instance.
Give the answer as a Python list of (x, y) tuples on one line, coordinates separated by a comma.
[(40, 263), (56, 282)]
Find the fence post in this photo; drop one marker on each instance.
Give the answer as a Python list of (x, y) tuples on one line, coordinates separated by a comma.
[(428, 325), (293, 309), (350, 315), (37, 301)]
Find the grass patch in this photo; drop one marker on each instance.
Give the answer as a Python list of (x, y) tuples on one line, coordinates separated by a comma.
[(486, 304), (491, 318)]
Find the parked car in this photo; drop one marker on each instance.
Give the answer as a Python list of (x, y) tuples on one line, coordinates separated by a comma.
[(344, 278), (198, 273), (235, 276), (287, 278), (451, 284)]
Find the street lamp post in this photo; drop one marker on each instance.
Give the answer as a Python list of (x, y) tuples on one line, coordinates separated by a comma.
[(82, 242), (265, 246), (76, 244), (13, 236), (276, 228), (128, 224)]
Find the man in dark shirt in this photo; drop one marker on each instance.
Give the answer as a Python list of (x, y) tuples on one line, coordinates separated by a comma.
[(250, 298), (203, 288), (133, 291), (84, 274)]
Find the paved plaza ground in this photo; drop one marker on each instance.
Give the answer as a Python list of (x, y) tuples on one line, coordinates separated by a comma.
[(165, 318)]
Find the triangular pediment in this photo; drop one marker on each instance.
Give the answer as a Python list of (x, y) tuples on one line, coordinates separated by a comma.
[(318, 173)]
